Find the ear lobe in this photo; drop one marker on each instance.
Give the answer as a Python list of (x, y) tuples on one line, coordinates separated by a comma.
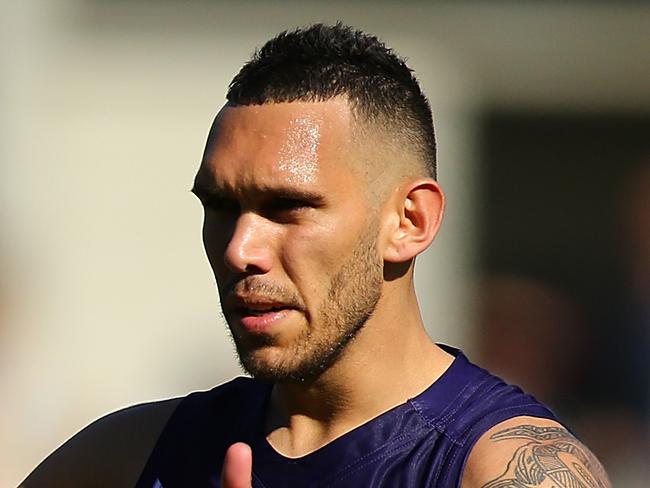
[(420, 212)]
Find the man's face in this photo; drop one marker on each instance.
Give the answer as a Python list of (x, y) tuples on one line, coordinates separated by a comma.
[(289, 234)]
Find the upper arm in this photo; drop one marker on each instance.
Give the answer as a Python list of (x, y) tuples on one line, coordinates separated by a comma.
[(532, 452), (111, 451)]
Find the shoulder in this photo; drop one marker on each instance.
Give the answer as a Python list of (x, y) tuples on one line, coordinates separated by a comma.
[(529, 451), (114, 450), (111, 451), (468, 400)]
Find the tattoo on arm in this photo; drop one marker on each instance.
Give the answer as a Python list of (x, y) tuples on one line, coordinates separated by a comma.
[(552, 457)]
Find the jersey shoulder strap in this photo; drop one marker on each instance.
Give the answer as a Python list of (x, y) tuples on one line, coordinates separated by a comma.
[(203, 426)]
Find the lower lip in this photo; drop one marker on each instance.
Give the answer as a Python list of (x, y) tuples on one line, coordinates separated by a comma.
[(260, 323)]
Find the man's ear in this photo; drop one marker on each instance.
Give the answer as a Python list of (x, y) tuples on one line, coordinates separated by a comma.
[(415, 217)]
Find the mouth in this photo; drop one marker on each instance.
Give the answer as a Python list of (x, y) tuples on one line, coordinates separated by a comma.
[(259, 316), (260, 310), (263, 321)]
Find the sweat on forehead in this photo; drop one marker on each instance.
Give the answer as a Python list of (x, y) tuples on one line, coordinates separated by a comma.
[(288, 142), (297, 129), (293, 137)]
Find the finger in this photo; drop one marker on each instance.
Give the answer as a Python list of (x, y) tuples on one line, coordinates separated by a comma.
[(237, 471)]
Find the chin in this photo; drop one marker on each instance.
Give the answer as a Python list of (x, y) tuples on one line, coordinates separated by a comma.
[(270, 367)]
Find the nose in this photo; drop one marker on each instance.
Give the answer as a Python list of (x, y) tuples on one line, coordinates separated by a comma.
[(249, 249)]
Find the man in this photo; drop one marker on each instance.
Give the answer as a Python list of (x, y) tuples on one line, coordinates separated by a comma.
[(318, 186)]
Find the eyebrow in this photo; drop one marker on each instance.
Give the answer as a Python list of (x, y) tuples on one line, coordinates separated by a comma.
[(205, 193)]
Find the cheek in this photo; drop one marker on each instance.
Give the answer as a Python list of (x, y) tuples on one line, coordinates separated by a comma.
[(312, 255)]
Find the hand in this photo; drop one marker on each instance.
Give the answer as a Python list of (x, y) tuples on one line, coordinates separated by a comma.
[(237, 471)]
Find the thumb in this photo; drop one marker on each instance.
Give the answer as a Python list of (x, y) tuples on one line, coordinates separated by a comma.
[(237, 471)]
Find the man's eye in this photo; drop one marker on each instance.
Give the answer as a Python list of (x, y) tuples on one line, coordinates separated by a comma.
[(286, 205), (221, 205)]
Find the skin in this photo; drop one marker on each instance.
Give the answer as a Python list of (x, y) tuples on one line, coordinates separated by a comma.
[(237, 467), (269, 231), (294, 257), (265, 250), (527, 452)]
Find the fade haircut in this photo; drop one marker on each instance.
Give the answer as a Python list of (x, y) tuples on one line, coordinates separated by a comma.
[(321, 62)]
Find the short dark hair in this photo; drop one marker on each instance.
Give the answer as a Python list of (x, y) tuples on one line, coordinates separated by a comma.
[(320, 62)]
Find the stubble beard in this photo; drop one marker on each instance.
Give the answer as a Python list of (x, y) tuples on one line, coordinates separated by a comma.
[(352, 298)]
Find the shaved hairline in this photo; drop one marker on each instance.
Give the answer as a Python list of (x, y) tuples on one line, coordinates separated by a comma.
[(387, 153)]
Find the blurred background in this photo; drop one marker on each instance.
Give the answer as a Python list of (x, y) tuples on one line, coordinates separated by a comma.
[(541, 272)]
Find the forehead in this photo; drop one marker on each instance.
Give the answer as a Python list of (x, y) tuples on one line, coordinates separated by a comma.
[(296, 143)]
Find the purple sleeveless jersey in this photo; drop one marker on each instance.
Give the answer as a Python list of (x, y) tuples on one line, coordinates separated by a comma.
[(422, 443)]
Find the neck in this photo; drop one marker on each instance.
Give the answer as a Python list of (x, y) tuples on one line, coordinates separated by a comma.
[(391, 360)]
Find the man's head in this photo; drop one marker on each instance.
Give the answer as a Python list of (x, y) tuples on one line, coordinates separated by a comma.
[(324, 62), (317, 186)]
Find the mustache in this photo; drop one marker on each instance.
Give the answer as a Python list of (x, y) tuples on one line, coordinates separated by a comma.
[(255, 286)]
